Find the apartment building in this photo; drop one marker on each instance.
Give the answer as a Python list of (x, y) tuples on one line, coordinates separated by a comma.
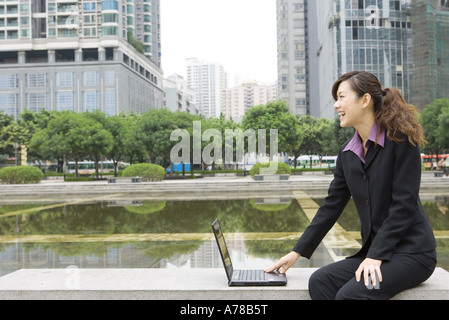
[(209, 80), (240, 98), (80, 56), (178, 95), (292, 30)]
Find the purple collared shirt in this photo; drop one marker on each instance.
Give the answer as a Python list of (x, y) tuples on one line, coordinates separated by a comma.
[(355, 145)]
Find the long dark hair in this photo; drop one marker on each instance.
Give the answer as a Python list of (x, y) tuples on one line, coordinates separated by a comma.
[(399, 119)]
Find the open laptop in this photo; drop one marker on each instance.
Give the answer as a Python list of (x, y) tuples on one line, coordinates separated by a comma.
[(244, 277)]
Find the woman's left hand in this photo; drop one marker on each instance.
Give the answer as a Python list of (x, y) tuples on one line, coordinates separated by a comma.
[(369, 266)]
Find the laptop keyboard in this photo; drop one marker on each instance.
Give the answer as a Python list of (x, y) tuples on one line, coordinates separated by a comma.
[(251, 275)]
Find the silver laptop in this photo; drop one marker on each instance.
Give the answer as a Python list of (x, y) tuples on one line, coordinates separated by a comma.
[(244, 277)]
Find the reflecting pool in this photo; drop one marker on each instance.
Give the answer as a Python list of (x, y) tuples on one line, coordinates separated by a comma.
[(137, 233)]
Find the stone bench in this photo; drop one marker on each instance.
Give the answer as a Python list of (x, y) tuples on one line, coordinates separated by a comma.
[(124, 179), (271, 177), (169, 284)]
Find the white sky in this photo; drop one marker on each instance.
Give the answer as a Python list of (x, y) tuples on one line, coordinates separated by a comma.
[(239, 34)]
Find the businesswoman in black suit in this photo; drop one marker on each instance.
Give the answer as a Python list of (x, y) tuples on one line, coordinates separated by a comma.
[(380, 168)]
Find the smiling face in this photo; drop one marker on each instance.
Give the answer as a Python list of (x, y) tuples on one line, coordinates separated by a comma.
[(351, 108)]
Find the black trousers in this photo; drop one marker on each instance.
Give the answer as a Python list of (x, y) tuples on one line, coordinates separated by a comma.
[(337, 280)]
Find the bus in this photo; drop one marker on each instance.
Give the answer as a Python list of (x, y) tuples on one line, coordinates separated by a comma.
[(430, 160), (317, 162), (88, 167)]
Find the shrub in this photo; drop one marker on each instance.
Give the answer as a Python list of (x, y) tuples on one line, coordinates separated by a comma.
[(282, 168), (20, 175), (148, 171)]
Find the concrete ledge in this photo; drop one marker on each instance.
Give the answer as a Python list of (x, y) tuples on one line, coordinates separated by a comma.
[(124, 179), (168, 284), (271, 177)]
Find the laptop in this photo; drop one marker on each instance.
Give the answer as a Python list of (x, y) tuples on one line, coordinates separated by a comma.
[(244, 277)]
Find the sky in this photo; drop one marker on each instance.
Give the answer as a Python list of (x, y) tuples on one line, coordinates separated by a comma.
[(239, 34)]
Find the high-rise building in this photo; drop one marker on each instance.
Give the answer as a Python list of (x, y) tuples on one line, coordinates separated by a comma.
[(369, 35), (209, 80), (240, 98), (80, 55), (430, 51), (292, 32)]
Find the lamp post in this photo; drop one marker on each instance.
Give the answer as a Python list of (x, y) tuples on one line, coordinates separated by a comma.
[(16, 146)]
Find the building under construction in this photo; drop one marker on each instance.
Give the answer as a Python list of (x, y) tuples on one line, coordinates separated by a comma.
[(430, 51)]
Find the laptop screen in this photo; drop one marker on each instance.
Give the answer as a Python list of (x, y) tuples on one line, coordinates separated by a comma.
[(223, 248)]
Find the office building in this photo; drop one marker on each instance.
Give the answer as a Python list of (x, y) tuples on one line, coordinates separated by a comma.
[(80, 56), (209, 81), (369, 35)]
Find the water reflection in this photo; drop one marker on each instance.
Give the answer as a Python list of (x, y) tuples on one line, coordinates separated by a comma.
[(127, 233)]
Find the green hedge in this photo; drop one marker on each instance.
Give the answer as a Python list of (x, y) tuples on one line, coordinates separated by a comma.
[(20, 175), (282, 168), (147, 171)]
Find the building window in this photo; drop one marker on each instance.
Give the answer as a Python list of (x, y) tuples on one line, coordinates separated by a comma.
[(109, 78), (36, 80), (91, 100), (89, 6), (90, 79), (65, 79), (9, 81), (109, 5), (110, 31), (109, 102), (65, 100), (37, 101), (9, 103)]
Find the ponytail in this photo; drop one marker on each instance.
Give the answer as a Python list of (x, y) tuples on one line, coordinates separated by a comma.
[(399, 118)]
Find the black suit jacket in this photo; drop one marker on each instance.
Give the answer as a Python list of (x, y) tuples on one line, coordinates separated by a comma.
[(385, 191)]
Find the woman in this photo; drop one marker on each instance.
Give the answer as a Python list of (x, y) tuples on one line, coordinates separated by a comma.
[(380, 168)]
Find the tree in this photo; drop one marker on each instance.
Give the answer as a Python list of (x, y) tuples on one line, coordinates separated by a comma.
[(99, 140), (275, 115), (12, 135), (442, 137), (34, 121), (432, 117), (51, 142), (134, 148), (335, 136), (221, 125), (93, 139), (116, 125), (313, 136), (75, 136)]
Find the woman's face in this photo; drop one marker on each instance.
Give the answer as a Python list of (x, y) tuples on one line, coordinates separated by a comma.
[(349, 106)]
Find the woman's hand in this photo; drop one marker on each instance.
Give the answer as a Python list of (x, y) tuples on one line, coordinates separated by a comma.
[(369, 266), (284, 263)]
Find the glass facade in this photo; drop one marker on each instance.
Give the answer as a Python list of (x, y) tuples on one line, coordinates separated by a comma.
[(375, 36)]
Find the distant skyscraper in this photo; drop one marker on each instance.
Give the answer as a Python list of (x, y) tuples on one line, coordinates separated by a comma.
[(250, 93), (293, 54), (80, 55), (209, 80)]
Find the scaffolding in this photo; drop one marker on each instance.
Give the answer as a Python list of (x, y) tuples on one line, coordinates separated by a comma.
[(430, 51)]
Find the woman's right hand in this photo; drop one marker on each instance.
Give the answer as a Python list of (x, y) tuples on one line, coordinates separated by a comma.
[(284, 263)]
